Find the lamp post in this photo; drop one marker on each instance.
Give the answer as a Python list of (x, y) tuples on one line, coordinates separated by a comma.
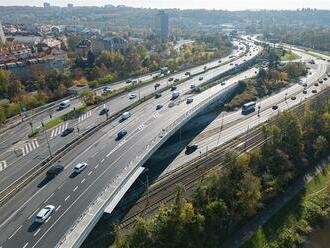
[(46, 136)]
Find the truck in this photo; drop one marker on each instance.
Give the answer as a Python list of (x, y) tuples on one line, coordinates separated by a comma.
[(65, 104), (175, 94)]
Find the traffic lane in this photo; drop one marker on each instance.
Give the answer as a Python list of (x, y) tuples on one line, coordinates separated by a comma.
[(118, 161), (68, 186), (130, 121)]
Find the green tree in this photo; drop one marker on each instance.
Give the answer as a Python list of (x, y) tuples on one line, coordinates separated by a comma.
[(321, 147)]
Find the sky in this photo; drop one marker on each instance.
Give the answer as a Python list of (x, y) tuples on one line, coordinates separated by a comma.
[(185, 4)]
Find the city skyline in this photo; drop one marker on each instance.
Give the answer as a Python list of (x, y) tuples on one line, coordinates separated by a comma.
[(184, 4)]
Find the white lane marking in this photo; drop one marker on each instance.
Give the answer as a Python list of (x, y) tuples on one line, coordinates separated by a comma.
[(58, 208), (33, 213), (75, 188), (96, 166), (67, 198), (48, 219), (74, 202), (90, 173), (102, 160), (49, 197), (26, 245), (36, 233), (3, 165), (15, 232), (19, 209), (82, 181)]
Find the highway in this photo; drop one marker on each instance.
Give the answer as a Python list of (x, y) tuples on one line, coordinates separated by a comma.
[(22, 130), (106, 158), (35, 150)]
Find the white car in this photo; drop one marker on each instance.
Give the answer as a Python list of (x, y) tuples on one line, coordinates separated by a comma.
[(80, 167), (44, 213), (132, 96), (125, 116), (107, 89)]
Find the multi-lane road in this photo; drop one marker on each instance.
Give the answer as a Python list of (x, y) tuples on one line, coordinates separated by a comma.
[(106, 160), (18, 154)]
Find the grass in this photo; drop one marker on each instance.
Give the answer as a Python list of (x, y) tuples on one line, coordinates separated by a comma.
[(295, 219), (289, 56)]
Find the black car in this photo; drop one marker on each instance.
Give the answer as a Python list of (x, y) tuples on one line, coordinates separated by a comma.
[(54, 171), (67, 131), (304, 91), (275, 107), (104, 111), (173, 88), (191, 148), (170, 79), (316, 84), (158, 95), (314, 91), (293, 98)]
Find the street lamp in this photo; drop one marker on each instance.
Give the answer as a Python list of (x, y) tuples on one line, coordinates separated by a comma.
[(46, 136)]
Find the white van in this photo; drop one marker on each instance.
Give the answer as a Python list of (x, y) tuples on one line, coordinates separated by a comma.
[(125, 116), (80, 167)]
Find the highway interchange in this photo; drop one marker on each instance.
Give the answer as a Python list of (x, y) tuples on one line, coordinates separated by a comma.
[(108, 158)]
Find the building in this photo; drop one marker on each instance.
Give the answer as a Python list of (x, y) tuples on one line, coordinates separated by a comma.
[(164, 33), (23, 70), (83, 48), (111, 44), (46, 5), (70, 5), (2, 34)]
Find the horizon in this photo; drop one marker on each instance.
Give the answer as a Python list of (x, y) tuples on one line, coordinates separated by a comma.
[(233, 5)]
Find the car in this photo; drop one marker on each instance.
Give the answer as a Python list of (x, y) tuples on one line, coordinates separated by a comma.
[(316, 84), (201, 78), (187, 73), (192, 86), (104, 111), (293, 98), (67, 131), (132, 96), (325, 79), (191, 148), (54, 171), (125, 116), (157, 95), (176, 80), (121, 135), (219, 61), (304, 85), (275, 107), (171, 104), (44, 214), (128, 81), (314, 91), (170, 79), (321, 81), (80, 167), (304, 91), (190, 100), (156, 85), (159, 106), (173, 88), (205, 68), (107, 89), (231, 64), (223, 83)]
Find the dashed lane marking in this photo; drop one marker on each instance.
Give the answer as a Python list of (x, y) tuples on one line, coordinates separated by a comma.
[(3, 165)]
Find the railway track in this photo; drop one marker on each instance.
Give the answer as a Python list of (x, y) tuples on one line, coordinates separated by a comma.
[(165, 187)]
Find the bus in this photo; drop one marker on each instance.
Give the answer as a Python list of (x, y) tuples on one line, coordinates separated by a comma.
[(248, 108)]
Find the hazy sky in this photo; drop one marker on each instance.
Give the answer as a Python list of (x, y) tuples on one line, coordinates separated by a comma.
[(187, 4)]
